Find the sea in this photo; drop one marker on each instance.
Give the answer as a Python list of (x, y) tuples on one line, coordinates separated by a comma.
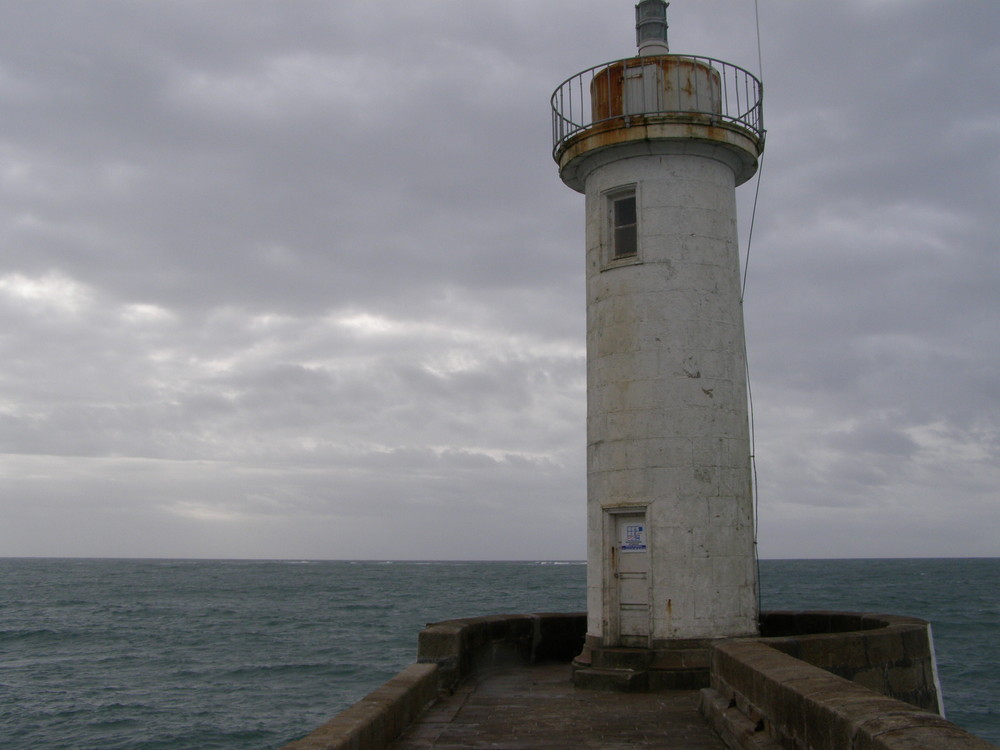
[(238, 654)]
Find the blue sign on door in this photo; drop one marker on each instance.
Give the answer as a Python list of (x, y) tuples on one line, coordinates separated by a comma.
[(635, 538)]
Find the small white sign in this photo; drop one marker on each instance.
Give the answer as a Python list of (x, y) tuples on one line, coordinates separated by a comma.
[(633, 537)]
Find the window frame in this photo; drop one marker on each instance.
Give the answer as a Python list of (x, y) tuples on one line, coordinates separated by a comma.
[(611, 229)]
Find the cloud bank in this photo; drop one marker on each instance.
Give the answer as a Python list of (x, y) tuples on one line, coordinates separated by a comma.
[(300, 279)]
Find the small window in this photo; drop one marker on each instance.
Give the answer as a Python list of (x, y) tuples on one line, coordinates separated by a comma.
[(624, 228)]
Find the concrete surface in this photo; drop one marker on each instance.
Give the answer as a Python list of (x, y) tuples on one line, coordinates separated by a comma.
[(670, 531), (538, 707)]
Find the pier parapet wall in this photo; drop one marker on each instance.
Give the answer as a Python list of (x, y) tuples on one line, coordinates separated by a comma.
[(889, 654), (831, 681), (763, 699), (461, 648), (813, 681)]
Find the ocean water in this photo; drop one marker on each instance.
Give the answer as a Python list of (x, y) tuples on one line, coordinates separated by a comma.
[(144, 654)]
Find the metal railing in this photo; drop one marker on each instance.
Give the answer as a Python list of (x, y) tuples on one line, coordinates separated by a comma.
[(721, 93)]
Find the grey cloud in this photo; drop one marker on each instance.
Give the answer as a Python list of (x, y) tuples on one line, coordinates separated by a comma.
[(300, 279)]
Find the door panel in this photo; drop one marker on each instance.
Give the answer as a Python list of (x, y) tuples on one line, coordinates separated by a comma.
[(632, 578)]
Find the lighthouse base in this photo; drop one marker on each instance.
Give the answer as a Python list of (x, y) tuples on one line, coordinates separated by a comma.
[(672, 665)]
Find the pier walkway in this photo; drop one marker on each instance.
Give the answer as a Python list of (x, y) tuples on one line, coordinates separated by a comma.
[(855, 680), (537, 706)]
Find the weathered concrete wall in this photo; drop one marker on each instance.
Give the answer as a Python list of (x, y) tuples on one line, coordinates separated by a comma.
[(462, 647), (763, 699), (447, 652), (806, 689), (889, 654), (378, 718), (667, 426)]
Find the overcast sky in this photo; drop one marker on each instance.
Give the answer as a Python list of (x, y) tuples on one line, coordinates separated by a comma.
[(298, 278)]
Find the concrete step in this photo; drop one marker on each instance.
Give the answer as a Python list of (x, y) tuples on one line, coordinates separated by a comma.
[(621, 658), (619, 680)]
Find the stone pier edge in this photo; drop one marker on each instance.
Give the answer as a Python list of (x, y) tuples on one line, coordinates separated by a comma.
[(814, 681)]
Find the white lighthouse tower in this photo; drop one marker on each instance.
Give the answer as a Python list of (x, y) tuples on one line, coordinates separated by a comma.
[(658, 143)]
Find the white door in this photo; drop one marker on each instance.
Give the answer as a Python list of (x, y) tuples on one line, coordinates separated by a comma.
[(632, 577)]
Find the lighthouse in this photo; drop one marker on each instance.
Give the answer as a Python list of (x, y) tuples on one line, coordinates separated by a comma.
[(658, 143)]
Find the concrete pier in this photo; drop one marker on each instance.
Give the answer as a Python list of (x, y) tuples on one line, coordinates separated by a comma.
[(813, 681), (537, 706)]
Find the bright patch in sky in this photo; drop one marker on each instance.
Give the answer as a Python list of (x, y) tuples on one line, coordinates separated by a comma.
[(53, 291)]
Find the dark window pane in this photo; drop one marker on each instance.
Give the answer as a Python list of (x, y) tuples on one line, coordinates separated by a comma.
[(625, 241), (624, 226), (625, 211)]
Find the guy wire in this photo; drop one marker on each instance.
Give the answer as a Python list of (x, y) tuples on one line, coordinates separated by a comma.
[(746, 265)]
